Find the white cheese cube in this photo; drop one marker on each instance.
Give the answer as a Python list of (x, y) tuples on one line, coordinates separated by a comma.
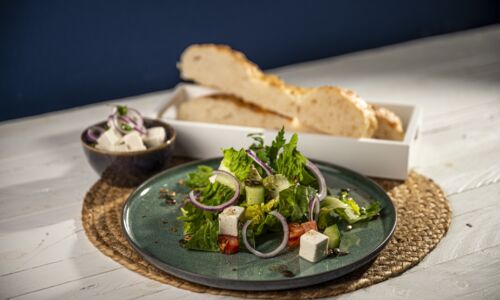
[(155, 136), (120, 148), (228, 220), (108, 139), (313, 246), (133, 141)]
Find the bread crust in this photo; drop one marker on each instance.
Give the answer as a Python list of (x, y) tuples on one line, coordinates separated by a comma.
[(389, 127)]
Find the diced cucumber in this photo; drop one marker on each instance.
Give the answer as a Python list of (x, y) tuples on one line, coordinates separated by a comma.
[(333, 234), (255, 194)]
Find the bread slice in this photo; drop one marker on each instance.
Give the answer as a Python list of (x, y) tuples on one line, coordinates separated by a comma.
[(230, 110), (220, 67), (338, 112), (389, 127)]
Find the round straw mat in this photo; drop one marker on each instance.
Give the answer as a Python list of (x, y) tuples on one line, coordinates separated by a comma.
[(423, 219)]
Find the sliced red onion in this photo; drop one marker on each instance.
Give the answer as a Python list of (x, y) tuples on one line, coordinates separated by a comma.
[(116, 123), (321, 180), (278, 249), (138, 117), (264, 166), (93, 133), (194, 198), (313, 208), (135, 124), (119, 120)]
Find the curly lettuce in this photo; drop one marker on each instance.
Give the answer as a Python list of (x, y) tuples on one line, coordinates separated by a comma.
[(237, 162), (293, 202), (199, 178)]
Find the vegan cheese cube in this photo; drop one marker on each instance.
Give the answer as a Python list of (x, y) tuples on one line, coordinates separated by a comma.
[(228, 220), (133, 141), (155, 136), (313, 246), (108, 139)]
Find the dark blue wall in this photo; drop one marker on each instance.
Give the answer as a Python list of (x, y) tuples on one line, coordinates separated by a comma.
[(60, 54)]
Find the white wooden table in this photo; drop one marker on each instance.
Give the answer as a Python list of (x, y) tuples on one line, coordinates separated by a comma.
[(44, 252)]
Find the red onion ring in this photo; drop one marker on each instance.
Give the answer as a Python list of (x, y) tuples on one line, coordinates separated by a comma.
[(194, 198), (92, 135), (275, 251), (257, 160), (321, 180), (116, 123), (139, 119), (118, 120), (313, 208), (136, 126)]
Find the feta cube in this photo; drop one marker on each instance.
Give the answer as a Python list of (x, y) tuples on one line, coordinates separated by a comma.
[(313, 246), (155, 136), (133, 141), (108, 139), (120, 148), (228, 220)]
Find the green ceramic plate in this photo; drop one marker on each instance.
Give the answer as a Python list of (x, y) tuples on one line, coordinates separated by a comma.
[(151, 227)]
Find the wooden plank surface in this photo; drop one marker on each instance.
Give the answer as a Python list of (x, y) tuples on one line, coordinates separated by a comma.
[(44, 253)]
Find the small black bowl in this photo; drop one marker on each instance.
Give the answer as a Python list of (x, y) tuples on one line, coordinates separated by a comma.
[(130, 168)]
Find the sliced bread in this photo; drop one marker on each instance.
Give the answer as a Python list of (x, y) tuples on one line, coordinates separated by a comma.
[(337, 111), (389, 127), (221, 67), (230, 110)]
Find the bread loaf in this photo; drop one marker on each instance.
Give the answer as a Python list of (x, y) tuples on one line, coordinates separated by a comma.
[(327, 109), (220, 67), (227, 109), (389, 127)]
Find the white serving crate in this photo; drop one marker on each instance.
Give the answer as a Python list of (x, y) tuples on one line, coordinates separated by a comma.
[(371, 157)]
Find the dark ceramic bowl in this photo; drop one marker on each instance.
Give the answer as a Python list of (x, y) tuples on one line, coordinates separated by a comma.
[(130, 168)]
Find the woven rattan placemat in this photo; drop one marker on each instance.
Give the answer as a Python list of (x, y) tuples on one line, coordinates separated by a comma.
[(423, 219)]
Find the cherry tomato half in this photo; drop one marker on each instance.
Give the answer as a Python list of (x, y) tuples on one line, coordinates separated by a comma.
[(228, 244)]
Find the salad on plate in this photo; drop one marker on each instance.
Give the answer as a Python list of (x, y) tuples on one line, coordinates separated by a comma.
[(263, 192)]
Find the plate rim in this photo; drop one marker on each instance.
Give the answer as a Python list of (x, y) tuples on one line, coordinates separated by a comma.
[(253, 285)]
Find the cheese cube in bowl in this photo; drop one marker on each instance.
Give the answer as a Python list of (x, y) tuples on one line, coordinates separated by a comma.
[(127, 161)]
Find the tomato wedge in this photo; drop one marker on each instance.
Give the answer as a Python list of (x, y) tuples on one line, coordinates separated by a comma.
[(292, 243), (311, 225), (228, 244), (296, 230)]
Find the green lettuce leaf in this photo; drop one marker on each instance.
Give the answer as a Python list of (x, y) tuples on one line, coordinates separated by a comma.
[(291, 162), (238, 162), (293, 202), (352, 213), (203, 225), (273, 150), (347, 209), (199, 178), (216, 193), (258, 213), (205, 237)]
